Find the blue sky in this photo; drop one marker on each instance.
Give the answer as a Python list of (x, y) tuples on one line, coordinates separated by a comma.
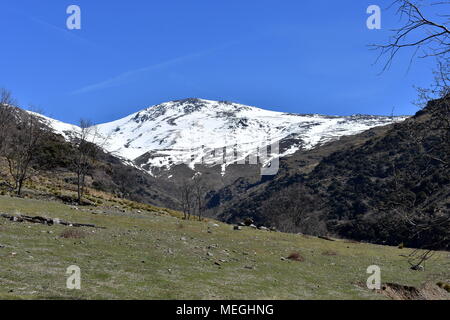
[(290, 55)]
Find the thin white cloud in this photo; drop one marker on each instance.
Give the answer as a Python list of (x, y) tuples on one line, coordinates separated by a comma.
[(61, 30), (126, 76)]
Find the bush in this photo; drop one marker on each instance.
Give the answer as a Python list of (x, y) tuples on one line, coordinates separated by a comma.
[(443, 285), (295, 256), (73, 234)]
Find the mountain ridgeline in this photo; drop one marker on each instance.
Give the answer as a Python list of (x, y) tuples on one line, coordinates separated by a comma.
[(184, 131), (370, 178)]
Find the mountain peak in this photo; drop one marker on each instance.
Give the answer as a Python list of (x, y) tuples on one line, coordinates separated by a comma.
[(177, 131)]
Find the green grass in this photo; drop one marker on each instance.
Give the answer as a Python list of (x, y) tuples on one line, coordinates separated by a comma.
[(142, 256)]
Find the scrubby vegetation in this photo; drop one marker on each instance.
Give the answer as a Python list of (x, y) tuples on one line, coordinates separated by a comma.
[(391, 188)]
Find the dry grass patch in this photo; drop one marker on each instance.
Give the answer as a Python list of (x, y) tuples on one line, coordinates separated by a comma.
[(295, 256), (73, 234)]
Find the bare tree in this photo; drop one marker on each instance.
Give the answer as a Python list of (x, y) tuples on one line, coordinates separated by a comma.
[(86, 152), (425, 36), (6, 115), (21, 145), (440, 87), (293, 210), (199, 193), (187, 199), (6, 97)]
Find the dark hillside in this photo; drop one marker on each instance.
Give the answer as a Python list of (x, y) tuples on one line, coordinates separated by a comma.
[(54, 157), (381, 191)]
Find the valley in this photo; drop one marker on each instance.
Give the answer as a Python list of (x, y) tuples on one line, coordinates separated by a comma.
[(154, 254)]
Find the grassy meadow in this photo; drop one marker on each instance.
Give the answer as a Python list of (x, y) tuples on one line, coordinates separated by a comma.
[(154, 254)]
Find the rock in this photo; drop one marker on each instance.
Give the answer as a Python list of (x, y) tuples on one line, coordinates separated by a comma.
[(17, 219), (326, 238), (215, 225), (253, 226), (248, 221), (237, 228), (183, 239), (249, 267), (263, 228), (241, 224), (283, 259), (418, 268), (210, 254), (217, 263)]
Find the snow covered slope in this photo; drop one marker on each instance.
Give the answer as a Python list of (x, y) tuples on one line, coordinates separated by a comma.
[(186, 131), (65, 129)]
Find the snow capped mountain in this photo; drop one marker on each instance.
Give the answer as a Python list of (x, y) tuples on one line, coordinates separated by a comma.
[(192, 131), (65, 129)]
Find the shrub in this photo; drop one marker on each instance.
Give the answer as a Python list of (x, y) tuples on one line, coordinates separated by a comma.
[(295, 256), (73, 234), (443, 285), (248, 221)]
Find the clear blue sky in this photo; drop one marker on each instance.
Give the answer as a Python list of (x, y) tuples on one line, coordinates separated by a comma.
[(290, 55)]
